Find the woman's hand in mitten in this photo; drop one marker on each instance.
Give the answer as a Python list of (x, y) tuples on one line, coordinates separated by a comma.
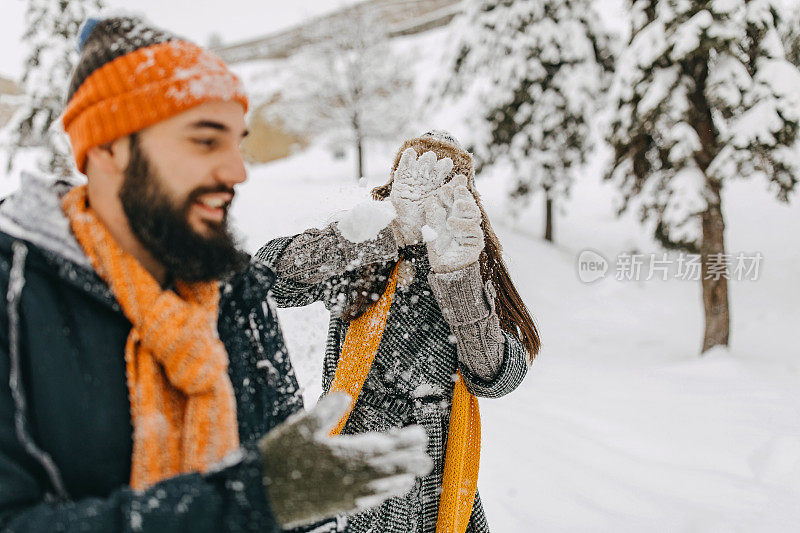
[(310, 475), (453, 214), (414, 180)]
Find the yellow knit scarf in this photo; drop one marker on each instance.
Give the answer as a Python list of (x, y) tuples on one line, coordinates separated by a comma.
[(183, 407), (462, 458)]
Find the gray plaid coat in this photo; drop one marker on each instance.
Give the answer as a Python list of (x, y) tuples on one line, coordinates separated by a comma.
[(411, 379)]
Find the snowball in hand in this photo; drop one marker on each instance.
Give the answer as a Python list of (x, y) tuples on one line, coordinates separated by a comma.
[(366, 220), (429, 234)]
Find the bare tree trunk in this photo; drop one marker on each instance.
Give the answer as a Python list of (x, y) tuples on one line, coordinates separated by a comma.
[(715, 291), (359, 157), (548, 219), (356, 122)]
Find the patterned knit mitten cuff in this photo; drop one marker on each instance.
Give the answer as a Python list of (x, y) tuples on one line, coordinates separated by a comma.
[(462, 295)]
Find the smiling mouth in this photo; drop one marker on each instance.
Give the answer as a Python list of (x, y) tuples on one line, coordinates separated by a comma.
[(214, 203), (213, 207)]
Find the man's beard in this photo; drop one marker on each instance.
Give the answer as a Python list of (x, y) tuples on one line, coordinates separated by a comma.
[(163, 228)]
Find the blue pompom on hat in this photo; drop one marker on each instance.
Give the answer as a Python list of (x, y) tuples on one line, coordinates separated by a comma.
[(86, 30)]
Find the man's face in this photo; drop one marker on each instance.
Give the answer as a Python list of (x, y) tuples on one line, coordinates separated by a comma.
[(178, 188)]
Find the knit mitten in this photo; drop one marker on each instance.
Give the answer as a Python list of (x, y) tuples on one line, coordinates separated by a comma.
[(453, 216), (468, 305), (415, 179), (310, 475)]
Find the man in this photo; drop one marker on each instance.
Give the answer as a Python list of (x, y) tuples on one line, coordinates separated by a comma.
[(137, 393)]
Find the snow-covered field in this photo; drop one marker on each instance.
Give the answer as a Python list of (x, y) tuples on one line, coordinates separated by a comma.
[(620, 425)]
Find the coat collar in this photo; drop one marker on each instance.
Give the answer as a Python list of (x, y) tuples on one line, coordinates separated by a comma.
[(33, 214)]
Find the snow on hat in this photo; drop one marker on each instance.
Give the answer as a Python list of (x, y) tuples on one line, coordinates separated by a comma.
[(132, 75), (444, 136), (443, 144)]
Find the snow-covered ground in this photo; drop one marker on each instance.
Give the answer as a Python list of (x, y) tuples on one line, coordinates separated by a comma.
[(620, 425)]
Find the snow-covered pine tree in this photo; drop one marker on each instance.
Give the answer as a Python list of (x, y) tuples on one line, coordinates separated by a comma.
[(51, 36), (348, 86), (790, 32), (538, 70), (705, 95)]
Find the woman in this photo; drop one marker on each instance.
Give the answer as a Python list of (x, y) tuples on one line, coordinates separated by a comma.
[(418, 329)]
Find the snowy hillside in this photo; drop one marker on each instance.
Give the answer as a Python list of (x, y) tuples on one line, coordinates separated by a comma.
[(620, 425)]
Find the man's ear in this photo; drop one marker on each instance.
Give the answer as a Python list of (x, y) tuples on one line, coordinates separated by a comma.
[(110, 158)]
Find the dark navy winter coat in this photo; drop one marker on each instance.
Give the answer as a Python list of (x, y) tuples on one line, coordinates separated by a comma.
[(65, 425)]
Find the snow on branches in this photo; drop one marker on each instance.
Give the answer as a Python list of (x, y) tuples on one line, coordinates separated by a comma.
[(704, 94), (538, 70), (51, 30)]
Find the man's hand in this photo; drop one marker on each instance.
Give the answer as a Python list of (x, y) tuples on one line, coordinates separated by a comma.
[(455, 218), (414, 181), (310, 475)]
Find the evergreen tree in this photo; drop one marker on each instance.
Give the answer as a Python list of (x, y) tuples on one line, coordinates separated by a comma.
[(51, 33), (538, 70), (705, 95), (790, 32)]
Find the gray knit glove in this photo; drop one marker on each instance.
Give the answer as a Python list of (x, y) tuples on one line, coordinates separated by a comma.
[(455, 219), (310, 475), (413, 181)]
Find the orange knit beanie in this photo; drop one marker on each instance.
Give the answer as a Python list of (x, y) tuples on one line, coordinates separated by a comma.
[(131, 75)]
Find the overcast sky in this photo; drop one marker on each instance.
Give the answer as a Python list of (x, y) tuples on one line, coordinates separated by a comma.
[(233, 20)]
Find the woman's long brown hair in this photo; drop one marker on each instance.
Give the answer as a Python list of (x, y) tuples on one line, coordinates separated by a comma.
[(511, 310)]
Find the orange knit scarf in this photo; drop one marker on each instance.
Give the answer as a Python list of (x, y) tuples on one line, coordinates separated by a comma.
[(462, 458), (183, 407)]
